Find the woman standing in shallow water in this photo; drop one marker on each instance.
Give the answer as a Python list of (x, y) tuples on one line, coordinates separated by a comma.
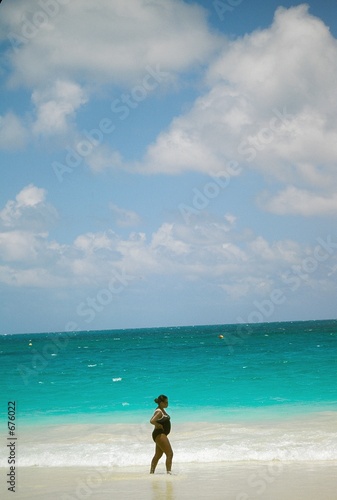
[(162, 424)]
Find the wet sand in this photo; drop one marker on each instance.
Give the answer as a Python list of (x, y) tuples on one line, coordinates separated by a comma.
[(239, 481)]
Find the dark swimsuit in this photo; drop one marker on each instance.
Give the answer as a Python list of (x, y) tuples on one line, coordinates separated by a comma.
[(165, 422)]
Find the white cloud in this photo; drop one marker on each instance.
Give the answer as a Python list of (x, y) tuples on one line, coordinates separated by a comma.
[(55, 109), (24, 225), (255, 267), (59, 49), (123, 217), (37, 277), (165, 239), (90, 243), (209, 251), (18, 246), (13, 134), (271, 106), (247, 286), (29, 211), (103, 158), (302, 202), (106, 42), (30, 196), (55, 105)]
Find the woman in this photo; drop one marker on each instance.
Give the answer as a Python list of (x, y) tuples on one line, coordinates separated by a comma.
[(162, 424)]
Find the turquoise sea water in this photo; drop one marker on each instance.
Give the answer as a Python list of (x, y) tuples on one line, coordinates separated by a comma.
[(260, 392), (254, 370)]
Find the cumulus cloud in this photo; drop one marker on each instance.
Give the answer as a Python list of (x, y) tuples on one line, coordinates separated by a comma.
[(165, 239), (29, 211), (36, 277), (226, 261), (24, 242), (209, 250), (55, 105), (108, 42), (299, 201), (90, 243), (18, 246), (54, 112), (271, 106), (59, 49)]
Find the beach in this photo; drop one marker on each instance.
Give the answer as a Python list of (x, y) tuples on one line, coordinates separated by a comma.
[(252, 417), (239, 481), (212, 460), (168, 250)]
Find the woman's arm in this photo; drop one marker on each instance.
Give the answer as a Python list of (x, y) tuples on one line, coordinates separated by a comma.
[(156, 416)]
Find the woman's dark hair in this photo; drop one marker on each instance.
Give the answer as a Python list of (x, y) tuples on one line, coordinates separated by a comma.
[(160, 399)]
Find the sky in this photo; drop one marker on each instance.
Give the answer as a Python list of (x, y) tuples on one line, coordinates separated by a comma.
[(166, 163)]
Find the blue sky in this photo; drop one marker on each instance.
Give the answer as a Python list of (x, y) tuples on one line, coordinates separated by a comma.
[(166, 163)]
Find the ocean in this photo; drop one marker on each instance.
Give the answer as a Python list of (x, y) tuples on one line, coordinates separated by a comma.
[(236, 392)]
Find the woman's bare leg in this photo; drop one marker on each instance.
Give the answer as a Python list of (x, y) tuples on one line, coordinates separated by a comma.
[(164, 445), (157, 455)]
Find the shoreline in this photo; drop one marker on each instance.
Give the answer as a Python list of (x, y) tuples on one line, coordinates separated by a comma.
[(302, 439), (239, 481), (100, 461)]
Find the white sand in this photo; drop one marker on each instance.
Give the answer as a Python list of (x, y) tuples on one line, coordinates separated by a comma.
[(240, 481)]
